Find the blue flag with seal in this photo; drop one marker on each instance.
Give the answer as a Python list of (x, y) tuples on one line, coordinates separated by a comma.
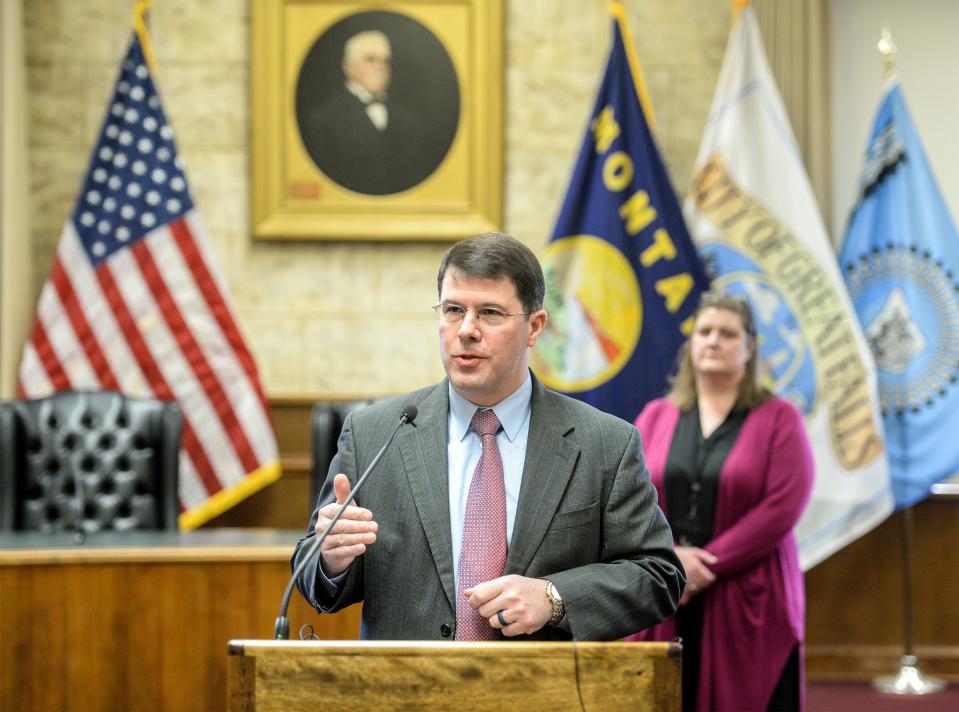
[(900, 259), (622, 275)]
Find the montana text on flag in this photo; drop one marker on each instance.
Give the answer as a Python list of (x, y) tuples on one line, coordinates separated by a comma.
[(135, 303), (752, 211), (622, 275), (900, 258)]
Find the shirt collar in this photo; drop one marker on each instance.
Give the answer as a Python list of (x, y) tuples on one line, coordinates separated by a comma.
[(364, 94), (512, 411)]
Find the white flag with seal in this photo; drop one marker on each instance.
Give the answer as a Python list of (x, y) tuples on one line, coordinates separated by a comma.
[(752, 211)]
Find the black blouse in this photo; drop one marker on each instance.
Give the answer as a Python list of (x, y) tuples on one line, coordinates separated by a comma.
[(692, 472)]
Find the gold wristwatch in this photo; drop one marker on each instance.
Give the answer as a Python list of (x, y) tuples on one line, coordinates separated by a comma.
[(559, 609)]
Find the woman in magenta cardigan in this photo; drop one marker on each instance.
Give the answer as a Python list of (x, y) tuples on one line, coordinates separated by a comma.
[(733, 469)]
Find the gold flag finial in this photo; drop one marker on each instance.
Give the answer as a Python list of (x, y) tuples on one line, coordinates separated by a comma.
[(887, 48)]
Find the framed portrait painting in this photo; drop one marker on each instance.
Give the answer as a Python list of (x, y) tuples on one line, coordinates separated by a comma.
[(376, 120)]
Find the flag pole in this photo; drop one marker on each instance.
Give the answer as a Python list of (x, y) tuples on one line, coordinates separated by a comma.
[(618, 10), (909, 680), (140, 13)]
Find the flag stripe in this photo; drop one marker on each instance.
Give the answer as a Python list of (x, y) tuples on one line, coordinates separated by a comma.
[(48, 358), (194, 355), (192, 491), (221, 311), (81, 328), (215, 348), (63, 341), (100, 316), (127, 325), (176, 370), (194, 448), (32, 372), (149, 366)]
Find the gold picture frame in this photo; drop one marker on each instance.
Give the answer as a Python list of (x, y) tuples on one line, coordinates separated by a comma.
[(447, 66)]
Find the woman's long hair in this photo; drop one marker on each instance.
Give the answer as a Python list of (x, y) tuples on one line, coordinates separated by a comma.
[(751, 390)]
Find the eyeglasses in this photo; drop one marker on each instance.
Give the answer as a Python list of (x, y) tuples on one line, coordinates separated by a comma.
[(487, 316)]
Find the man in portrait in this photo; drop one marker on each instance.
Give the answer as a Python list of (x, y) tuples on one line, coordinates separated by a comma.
[(360, 136)]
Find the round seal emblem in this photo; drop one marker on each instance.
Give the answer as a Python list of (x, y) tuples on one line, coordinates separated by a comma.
[(908, 304), (595, 314), (782, 349)]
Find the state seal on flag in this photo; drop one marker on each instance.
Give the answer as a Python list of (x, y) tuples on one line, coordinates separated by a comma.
[(909, 307), (595, 314)]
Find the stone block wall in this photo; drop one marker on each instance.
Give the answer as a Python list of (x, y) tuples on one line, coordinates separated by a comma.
[(344, 320)]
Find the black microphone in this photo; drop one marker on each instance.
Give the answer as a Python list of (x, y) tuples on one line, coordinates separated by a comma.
[(281, 629)]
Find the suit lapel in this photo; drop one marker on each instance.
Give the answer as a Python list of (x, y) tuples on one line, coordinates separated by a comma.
[(423, 449), (550, 459)]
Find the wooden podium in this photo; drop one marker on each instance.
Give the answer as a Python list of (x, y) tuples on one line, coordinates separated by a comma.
[(303, 675)]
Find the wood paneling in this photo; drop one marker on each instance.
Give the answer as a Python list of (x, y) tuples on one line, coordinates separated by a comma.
[(110, 632), (854, 599), (285, 504)]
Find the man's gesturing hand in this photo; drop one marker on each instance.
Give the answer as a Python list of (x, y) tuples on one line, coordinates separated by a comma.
[(350, 536), (523, 603)]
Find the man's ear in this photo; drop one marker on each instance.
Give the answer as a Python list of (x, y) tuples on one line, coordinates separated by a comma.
[(537, 322)]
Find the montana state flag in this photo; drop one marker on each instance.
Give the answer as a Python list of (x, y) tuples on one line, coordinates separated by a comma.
[(622, 275)]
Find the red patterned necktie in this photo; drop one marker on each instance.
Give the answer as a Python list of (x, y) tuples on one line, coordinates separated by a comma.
[(483, 556)]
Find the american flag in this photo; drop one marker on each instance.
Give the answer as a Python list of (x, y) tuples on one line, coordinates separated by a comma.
[(135, 303)]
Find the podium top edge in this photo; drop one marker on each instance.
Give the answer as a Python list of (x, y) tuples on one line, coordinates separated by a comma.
[(403, 647)]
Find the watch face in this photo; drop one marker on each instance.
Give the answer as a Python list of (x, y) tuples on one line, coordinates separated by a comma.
[(556, 601), (553, 593)]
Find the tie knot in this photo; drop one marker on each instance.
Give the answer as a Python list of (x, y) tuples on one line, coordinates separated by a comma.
[(485, 422)]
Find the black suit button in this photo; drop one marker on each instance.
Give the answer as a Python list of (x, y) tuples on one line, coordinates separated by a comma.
[(446, 630)]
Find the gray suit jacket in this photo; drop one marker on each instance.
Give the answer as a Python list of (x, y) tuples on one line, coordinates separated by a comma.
[(587, 519)]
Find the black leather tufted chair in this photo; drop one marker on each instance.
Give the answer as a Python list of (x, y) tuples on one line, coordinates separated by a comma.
[(326, 424), (121, 454)]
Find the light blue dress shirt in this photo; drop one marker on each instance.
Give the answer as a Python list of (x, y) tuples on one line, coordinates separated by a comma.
[(463, 450)]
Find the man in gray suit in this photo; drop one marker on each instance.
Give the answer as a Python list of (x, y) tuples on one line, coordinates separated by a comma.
[(544, 526)]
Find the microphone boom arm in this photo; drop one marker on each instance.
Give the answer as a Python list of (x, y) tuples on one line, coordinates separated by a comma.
[(281, 628)]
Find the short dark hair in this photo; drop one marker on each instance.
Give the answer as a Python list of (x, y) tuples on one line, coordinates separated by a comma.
[(493, 255)]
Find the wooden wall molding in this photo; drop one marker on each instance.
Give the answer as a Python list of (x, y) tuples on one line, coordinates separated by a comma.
[(865, 662)]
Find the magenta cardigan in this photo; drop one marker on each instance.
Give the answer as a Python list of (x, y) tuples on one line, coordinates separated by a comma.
[(754, 612)]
